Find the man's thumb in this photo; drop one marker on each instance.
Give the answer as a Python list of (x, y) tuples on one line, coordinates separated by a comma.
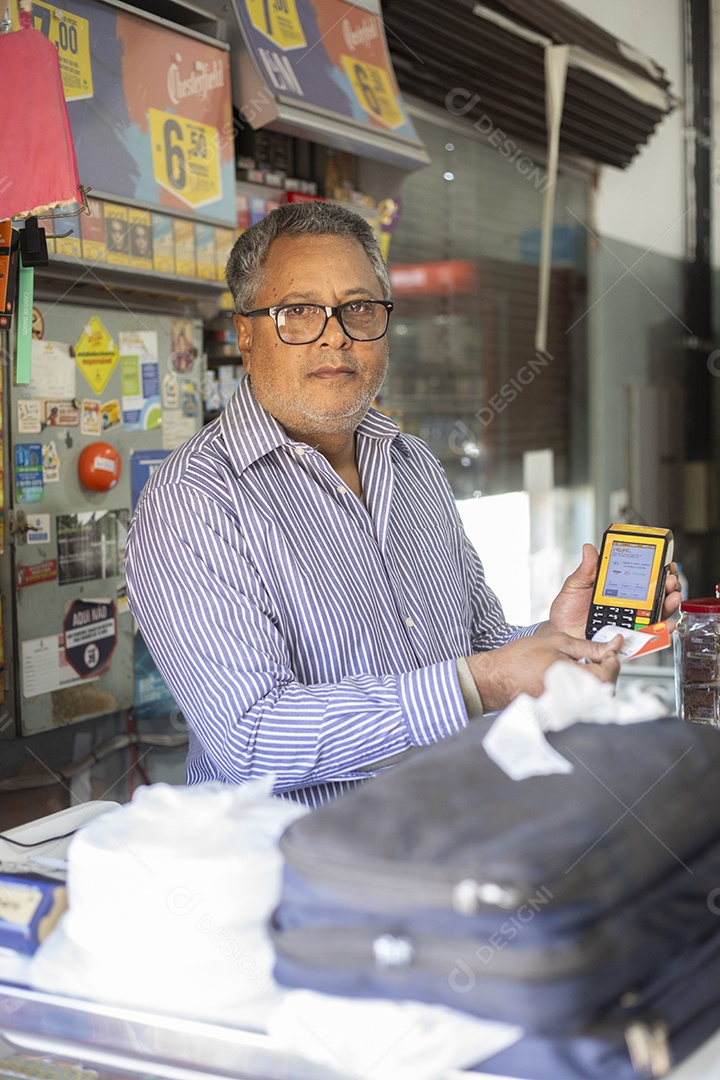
[(584, 576)]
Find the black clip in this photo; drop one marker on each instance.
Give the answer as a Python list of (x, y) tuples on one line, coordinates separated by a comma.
[(33, 245)]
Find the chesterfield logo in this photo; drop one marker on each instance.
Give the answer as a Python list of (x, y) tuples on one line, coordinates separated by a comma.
[(365, 33), (199, 83)]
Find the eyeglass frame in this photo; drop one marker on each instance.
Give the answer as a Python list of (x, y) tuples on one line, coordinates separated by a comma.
[(329, 312)]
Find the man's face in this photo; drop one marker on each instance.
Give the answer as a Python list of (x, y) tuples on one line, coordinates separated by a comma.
[(117, 234), (325, 387), (142, 240)]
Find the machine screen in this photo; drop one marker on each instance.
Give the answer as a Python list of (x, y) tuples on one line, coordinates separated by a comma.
[(629, 570)]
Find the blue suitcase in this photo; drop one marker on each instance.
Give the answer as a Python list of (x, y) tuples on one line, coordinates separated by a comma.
[(540, 902)]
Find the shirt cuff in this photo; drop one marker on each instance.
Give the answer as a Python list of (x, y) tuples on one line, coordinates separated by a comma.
[(468, 689), (522, 631), (431, 702)]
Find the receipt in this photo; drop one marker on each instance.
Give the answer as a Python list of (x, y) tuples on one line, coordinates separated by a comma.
[(633, 641)]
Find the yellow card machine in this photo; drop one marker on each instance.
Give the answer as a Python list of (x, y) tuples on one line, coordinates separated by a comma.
[(630, 585)]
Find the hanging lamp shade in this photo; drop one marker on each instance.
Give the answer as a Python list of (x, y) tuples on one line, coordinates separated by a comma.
[(38, 156)]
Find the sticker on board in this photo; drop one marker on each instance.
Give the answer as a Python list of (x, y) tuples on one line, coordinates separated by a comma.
[(90, 636)]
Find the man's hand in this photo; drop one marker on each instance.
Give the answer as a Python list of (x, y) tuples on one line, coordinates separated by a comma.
[(569, 609), (519, 667), (673, 592)]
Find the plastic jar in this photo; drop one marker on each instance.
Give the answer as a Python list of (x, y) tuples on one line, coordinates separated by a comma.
[(697, 661)]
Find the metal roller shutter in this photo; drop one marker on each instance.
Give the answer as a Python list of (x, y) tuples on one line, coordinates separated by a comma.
[(494, 52)]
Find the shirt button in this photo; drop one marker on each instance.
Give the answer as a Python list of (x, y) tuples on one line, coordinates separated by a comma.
[(409, 621), (342, 490), (299, 450)]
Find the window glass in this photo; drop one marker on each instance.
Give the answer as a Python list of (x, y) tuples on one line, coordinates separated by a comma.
[(464, 374)]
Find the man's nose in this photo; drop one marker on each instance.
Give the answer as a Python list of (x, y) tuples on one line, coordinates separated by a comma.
[(334, 335)]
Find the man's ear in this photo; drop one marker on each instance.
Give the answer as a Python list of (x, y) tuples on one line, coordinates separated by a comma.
[(244, 327)]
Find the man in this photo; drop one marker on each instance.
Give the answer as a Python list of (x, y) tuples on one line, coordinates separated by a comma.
[(298, 568)]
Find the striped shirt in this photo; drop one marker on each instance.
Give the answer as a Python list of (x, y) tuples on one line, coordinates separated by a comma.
[(304, 632)]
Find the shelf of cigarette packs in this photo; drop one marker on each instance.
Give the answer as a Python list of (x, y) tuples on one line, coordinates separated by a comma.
[(121, 242), (224, 364)]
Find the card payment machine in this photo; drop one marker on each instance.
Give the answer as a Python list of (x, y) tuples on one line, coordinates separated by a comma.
[(630, 585)]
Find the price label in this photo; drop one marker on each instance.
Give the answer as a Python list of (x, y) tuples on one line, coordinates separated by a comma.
[(277, 20), (374, 91), (185, 155), (70, 36)]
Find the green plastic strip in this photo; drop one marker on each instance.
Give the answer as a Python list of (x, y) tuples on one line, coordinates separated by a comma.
[(23, 353)]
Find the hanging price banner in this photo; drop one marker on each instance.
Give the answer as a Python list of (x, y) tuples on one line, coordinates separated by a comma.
[(185, 157), (69, 34), (128, 67), (279, 21), (374, 91), (329, 57)]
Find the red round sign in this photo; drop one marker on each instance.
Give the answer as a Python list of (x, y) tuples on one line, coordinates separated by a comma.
[(99, 466)]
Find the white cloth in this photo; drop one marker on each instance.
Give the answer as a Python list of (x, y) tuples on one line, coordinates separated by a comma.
[(516, 741), (169, 899), (384, 1040)]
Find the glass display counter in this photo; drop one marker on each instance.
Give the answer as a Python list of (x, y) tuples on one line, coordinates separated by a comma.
[(61, 1038)]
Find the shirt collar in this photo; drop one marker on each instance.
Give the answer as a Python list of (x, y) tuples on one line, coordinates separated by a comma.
[(250, 431), (376, 425)]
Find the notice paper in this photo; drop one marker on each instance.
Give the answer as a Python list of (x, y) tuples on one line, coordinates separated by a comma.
[(53, 372)]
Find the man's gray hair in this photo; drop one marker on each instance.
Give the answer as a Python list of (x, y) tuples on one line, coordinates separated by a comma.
[(245, 272)]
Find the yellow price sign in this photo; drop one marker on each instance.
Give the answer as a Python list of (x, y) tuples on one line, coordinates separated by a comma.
[(70, 35), (374, 91), (186, 157), (277, 20)]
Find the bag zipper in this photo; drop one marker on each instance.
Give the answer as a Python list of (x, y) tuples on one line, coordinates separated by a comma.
[(461, 962), (649, 1048), (418, 886)]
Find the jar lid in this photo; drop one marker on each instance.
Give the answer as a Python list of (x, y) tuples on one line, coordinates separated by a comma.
[(709, 605)]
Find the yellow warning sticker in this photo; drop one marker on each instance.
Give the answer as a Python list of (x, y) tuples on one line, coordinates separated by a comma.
[(96, 354)]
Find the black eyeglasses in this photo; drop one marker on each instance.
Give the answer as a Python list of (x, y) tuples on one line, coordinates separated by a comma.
[(301, 324)]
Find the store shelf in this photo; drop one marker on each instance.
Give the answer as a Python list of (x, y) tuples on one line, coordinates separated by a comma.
[(75, 281)]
